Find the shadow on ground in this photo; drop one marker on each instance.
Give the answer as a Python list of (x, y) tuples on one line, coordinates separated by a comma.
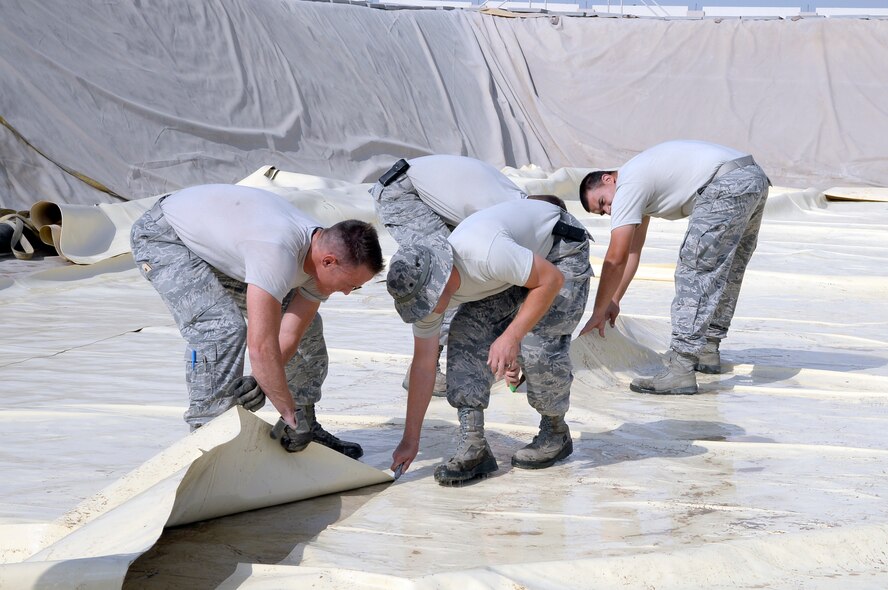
[(204, 554)]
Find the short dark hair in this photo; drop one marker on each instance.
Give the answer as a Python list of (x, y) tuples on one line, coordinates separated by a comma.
[(549, 199), (358, 244), (590, 182)]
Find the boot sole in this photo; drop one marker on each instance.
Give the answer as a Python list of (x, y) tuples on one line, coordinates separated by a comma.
[(676, 391), (564, 452), (709, 369), (350, 452), (353, 455), (455, 478)]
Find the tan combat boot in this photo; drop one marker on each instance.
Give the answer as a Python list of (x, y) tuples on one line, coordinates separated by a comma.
[(473, 457), (552, 444), (709, 359), (676, 379)]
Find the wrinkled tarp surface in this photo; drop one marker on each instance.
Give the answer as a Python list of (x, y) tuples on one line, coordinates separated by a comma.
[(232, 465), (772, 477), (147, 97)]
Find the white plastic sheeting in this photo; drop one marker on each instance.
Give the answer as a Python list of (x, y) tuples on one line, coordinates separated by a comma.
[(230, 466), (772, 476), (149, 97)]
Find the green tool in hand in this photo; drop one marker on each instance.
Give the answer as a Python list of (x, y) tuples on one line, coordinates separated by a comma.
[(515, 387)]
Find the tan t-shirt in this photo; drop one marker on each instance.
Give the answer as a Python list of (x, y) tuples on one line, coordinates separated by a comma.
[(248, 234), (662, 181), (493, 250), (454, 187)]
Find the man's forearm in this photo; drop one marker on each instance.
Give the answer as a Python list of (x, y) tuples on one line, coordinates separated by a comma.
[(266, 360), (627, 275), (608, 284), (535, 306), (268, 369), (544, 282), (633, 258), (422, 382)]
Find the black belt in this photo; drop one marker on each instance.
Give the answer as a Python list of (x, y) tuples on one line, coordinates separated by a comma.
[(394, 173), (570, 232), (728, 167), (561, 229)]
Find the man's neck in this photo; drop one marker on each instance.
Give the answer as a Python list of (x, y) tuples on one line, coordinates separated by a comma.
[(310, 266)]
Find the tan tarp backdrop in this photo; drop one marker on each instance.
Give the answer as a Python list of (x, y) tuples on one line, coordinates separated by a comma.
[(144, 98)]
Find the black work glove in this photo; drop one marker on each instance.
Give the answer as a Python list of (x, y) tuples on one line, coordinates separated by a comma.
[(248, 393), (294, 441)]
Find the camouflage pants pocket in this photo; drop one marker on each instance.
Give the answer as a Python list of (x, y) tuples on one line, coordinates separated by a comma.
[(546, 363), (702, 248), (201, 379)]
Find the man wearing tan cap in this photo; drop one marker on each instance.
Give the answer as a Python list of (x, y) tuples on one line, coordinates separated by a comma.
[(428, 196), (519, 273)]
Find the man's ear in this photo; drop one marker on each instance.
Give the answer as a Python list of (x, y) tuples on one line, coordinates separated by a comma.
[(329, 260)]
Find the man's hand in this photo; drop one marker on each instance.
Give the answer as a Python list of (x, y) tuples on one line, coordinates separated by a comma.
[(294, 441), (405, 454), (543, 284), (503, 355), (611, 313), (514, 378), (598, 321), (248, 393)]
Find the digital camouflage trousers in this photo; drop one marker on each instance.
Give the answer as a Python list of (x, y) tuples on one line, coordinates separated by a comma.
[(722, 235), (209, 309)]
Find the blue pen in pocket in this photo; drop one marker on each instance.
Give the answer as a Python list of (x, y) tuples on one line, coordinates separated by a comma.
[(193, 359)]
